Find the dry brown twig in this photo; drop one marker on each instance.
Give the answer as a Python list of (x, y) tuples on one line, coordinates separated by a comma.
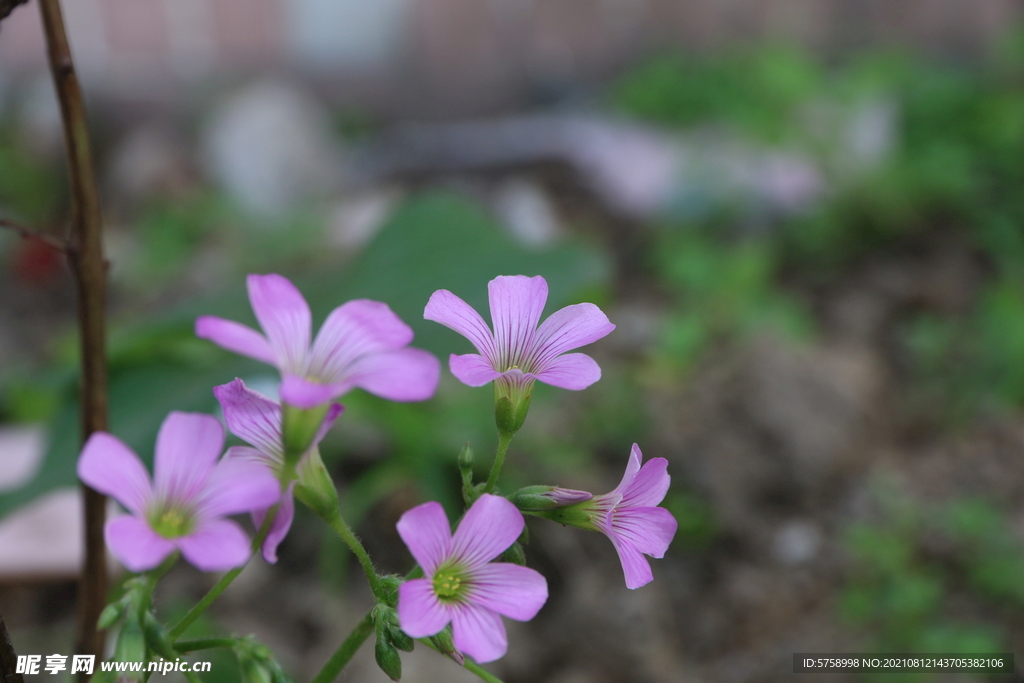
[(85, 255)]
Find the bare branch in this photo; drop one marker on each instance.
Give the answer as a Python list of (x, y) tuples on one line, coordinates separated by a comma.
[(34, 235), (86, 258)]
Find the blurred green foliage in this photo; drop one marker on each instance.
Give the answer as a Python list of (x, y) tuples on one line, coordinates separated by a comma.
[(920, 574), (434, 240)]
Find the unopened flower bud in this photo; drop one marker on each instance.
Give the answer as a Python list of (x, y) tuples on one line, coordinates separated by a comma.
[(466, 462), (445, 644), (388, 659), (131, 645), (537, 498), (156, 637)]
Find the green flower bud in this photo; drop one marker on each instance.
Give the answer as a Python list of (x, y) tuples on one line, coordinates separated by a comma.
[(388, 659), (445, 644), (131, 645), (536, 498), (156, 637), (112, 613)]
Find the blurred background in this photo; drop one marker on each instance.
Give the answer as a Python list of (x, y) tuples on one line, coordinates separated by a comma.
[(806, 218)]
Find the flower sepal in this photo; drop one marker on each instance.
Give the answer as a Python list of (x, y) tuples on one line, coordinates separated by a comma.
[(300, 428), (315, 487), (581, 515), (445, 644), (542, 497), (512, 396)]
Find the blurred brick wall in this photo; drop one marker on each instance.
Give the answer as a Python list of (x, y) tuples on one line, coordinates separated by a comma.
[(466, 45)]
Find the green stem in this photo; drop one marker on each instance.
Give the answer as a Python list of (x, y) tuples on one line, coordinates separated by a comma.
[(468, 665), (203, 644), (224, 582), (499, 459), (345, 651), (343, 530)]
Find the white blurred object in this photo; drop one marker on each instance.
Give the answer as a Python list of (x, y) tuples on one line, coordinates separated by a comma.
[(355, 220), (797, 542), (270, 145), (346, 33), (527, 211), (22, 448), (43, 540), (638, 171)]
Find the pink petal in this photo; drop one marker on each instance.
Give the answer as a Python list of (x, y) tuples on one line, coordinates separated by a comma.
[(251, 416), (632, 467), (235, 337), (284, 316), (237, 484), (111, 468), (516, 303), (568, 329), (187, 446), (479, 633), (305, 393), (352, 331), (333, 411), (136, 545), (572, 371), (649, 486), (420, 613), (426, 531), (511, 590), (649, 529), (454, 313), (402, 375), (280, 526), (490, 526), (634, 565), (471, 369), (216, 546)]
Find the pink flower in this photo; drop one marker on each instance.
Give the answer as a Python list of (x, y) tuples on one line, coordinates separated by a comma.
[(628, 516), (185, 506), (256, 419), (462, 586), (518, 351), (361, 344)]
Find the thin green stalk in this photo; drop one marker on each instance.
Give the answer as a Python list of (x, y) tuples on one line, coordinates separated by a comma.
[(184, 646), (499, 459), (468, 665), (345, 651), (343, 530), (224, 582)]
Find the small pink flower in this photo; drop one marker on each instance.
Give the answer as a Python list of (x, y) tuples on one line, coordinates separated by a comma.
[(630, 518), (518, 352), (185, 506), (462, 586), (256, 419), (361, 344)]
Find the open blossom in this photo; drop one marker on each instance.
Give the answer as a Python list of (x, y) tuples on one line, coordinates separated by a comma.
[(629, 516), (517, 351), (361, 344), (256, 419), (185, 505), (461, 585)]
